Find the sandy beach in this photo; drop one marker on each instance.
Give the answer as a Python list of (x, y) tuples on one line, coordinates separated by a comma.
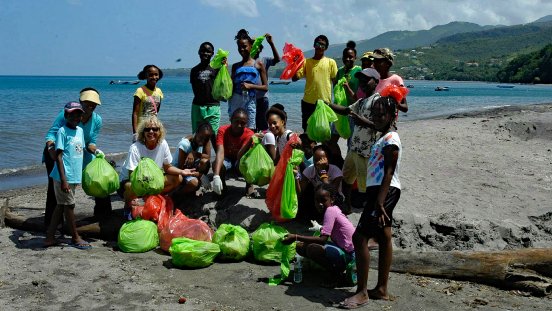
[(476, 181)]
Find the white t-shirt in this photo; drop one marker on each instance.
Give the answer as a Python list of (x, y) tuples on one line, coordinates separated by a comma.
[(374, 177), (280, 142), (161, 155)]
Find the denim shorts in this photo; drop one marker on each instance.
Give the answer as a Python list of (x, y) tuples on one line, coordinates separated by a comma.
[(337, 257)]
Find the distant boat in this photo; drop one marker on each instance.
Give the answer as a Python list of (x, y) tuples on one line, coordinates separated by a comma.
[(442, 88), (280, 82), (410, 86), (124, 82), (505, 86)]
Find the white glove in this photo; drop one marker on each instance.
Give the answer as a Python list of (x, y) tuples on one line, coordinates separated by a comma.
[(217, 184), (205, 182), (315, 226), (99, 153)]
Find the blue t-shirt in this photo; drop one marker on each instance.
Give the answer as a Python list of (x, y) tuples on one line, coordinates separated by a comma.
[(91, 130), (186, 146), (71, 141)]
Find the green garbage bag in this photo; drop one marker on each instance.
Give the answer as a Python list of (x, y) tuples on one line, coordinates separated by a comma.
[(256, 46), (216, 62), (233, 242), (99, 178), (266, 243), (318, 124), (147, 178), (138, 236), (340, 98), (256, 165), (222, 86), (289, 203), (190, 253)]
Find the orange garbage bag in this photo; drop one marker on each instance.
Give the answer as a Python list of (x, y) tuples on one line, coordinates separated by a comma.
[(181, 226), (153, 206), (165, 214), (274, 192)]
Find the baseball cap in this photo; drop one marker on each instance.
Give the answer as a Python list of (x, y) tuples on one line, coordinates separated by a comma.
[(91, 96), (368, 55), (383, 53), (368, 72), (72, 106)]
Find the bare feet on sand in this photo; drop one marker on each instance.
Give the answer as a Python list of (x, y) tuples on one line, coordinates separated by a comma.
[(356, 301), (377, 294)]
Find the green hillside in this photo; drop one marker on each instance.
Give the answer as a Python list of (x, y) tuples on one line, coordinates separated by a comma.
[(473, 56), (534, 67)]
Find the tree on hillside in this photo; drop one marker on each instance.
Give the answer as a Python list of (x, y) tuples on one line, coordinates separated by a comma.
[(534, 67)]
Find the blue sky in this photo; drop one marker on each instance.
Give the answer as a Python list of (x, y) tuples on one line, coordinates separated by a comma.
[(110, 37)]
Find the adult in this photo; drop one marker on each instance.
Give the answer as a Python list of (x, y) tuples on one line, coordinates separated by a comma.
[(262, 96), (232, 143), (91, 124), (204, 107), (319, 72), (150, 143)]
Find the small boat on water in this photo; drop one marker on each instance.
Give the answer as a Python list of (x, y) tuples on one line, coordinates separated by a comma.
[(505, 86), (124, 82), (280, 82), (410, 86), (442, 88)]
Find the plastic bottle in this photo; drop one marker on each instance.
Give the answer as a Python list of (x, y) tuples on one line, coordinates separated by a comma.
[(298, 269)]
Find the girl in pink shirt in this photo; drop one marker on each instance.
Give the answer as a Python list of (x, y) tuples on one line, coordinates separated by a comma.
[(334, 255)]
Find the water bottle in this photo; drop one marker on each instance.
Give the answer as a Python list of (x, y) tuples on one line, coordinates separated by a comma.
[(298, 269)]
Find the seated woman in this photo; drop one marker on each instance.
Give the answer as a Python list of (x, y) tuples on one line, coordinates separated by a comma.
[(321, 172), (150, 143), (232, 143), (194, 152), (277, 135)]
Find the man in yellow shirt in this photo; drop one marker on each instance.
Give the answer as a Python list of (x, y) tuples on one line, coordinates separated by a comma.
[(319, 72)]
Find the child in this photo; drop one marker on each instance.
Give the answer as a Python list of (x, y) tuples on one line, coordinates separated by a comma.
[(382, 195), (307, 145), (248, 77), (194, 151), (354, 167), (202, 76), (232, 143), (318, 71), (383, 60), (321, 172), (277, 137), (147, 99), (67, 174), (334, 255), (262, 96)]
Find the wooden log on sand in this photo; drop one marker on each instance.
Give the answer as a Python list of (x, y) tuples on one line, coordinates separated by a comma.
[(527, 269)]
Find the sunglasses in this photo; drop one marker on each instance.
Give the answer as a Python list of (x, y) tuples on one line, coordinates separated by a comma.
[(319, 45), (147, 129)]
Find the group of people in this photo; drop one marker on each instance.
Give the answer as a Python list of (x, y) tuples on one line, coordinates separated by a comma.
[(325, 178)]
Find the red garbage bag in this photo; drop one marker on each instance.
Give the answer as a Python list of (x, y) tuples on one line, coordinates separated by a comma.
[(153, 206), (165, 213), (294, 59), (274, 192), (181, 226), (136, 211)]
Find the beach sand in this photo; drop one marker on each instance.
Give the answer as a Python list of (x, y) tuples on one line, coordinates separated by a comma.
[(475, 181)]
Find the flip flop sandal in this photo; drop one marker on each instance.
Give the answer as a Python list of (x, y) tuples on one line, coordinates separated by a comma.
[(352, 305), (253, 195), (81, 245)]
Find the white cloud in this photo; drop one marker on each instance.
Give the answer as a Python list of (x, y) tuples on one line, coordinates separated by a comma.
[(247, 8), (360, 19)]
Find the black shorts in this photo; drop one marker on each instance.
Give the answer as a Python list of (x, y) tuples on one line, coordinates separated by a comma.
[(368, 225), (306, 111)]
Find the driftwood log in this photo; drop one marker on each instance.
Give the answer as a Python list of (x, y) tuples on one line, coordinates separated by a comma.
[(527, 270)]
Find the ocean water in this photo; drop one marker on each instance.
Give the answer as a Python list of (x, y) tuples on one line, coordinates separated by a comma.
[(31, 103)]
